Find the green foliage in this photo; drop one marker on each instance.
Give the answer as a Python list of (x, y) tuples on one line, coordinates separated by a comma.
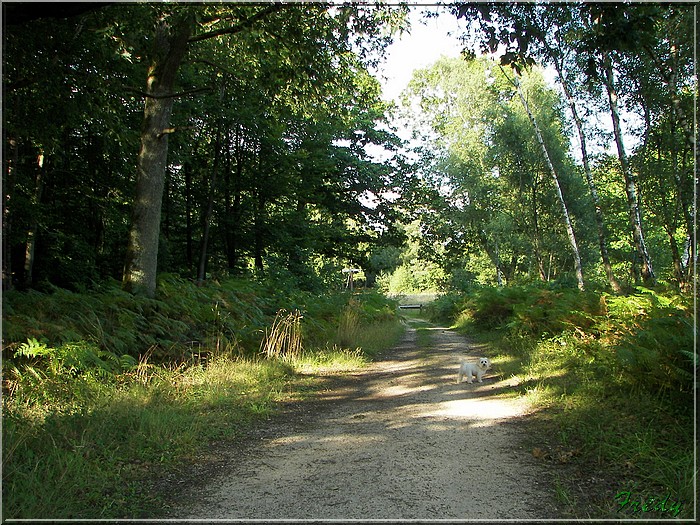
[(654, 337), (616, 373), (275, 150), (76, 358), (87, 431), (651, 333)]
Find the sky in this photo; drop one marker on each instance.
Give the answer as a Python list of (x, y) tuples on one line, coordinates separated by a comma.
[(423, 46), (418, 48)]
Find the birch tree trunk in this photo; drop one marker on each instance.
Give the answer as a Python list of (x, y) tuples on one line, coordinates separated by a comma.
[(600, 223), (555, 177), (536, 237), (630, 180), (169, 48)]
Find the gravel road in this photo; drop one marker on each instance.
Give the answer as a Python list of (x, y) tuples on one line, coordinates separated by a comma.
[(398, 440)]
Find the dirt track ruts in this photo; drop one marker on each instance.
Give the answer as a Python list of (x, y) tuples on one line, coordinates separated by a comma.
[(398, 440)]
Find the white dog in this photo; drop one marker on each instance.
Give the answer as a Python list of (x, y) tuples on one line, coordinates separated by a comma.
[(468, 370)]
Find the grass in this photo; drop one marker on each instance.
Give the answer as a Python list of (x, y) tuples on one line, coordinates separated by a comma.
[(93, 454), (82, 440), (611, 378)]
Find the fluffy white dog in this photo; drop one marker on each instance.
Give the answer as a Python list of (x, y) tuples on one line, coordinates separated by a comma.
[(468, 370)]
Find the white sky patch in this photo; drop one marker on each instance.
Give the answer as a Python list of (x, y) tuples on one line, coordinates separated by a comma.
[(423, 46)]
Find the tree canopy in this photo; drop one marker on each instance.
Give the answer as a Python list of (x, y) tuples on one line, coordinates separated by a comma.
[(222, 139)]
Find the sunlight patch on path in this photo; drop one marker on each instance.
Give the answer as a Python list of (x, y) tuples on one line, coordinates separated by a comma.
[(480, 409)]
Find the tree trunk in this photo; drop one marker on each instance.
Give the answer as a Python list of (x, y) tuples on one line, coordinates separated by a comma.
[(555, 177), (8, 179), (493, 254), (258, 227), (201, 273), (169, 48), (188, 215), (647, 271), (34, 227), (690, 250), (536, 235), (600, 223), (676, 256), (233, 209)]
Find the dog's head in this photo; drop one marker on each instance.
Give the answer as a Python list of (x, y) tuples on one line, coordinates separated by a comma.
[(484, 363)]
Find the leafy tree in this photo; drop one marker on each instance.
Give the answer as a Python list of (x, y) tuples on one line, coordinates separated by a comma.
[(488, 177), (253, 131), (627, 55)]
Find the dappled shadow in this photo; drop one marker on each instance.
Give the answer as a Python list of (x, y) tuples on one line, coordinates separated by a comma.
[(399, 440)]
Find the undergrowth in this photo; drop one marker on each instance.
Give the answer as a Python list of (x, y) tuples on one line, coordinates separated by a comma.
[(105, 392), (615, 373)]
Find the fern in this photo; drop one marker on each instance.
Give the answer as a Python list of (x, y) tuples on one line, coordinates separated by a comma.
[(32, 348)]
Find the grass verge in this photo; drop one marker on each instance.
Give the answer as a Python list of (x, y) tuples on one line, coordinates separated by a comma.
[(82, 440)]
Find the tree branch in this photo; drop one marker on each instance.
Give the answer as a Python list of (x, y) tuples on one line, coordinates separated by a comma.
[(214, 65), (167, 131), (195, 91), (241, 26)]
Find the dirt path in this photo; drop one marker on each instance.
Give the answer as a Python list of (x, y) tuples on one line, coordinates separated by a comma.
[(400, 440)]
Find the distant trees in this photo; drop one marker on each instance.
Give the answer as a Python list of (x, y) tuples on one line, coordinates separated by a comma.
[(497, 154), (626, 59)]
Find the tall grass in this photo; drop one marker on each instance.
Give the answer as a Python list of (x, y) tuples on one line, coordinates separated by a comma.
[(284, 337), (615, 373), (91, 453), (90, 423)]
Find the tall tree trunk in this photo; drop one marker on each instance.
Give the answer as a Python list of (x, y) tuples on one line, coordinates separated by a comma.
[(167, 203), (647, 271), (690, 249), (600, 223), (169, 48), (676, 256), (555, 177), (492, 252), (497, 262), (188, 215), (8, 180), (201, 272), (233, 209), (34, 227), (536, 235), (258, 232), (669, 72)]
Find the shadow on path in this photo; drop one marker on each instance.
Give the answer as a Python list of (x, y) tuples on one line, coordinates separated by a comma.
[(398, 440)]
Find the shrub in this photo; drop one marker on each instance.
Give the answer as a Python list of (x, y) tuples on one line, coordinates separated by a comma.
[(650, 333)]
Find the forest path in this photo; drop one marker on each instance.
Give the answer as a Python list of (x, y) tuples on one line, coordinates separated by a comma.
[(398, 440)]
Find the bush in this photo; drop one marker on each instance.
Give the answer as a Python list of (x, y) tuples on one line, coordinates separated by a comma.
[(653, 335), (650, 333)]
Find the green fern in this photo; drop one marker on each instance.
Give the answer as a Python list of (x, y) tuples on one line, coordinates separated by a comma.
[(32, 348)]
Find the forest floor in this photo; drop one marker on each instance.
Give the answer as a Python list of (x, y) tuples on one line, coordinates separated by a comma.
[(399, 439)]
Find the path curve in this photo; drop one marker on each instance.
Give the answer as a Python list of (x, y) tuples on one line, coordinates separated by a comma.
[(399, 440)]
